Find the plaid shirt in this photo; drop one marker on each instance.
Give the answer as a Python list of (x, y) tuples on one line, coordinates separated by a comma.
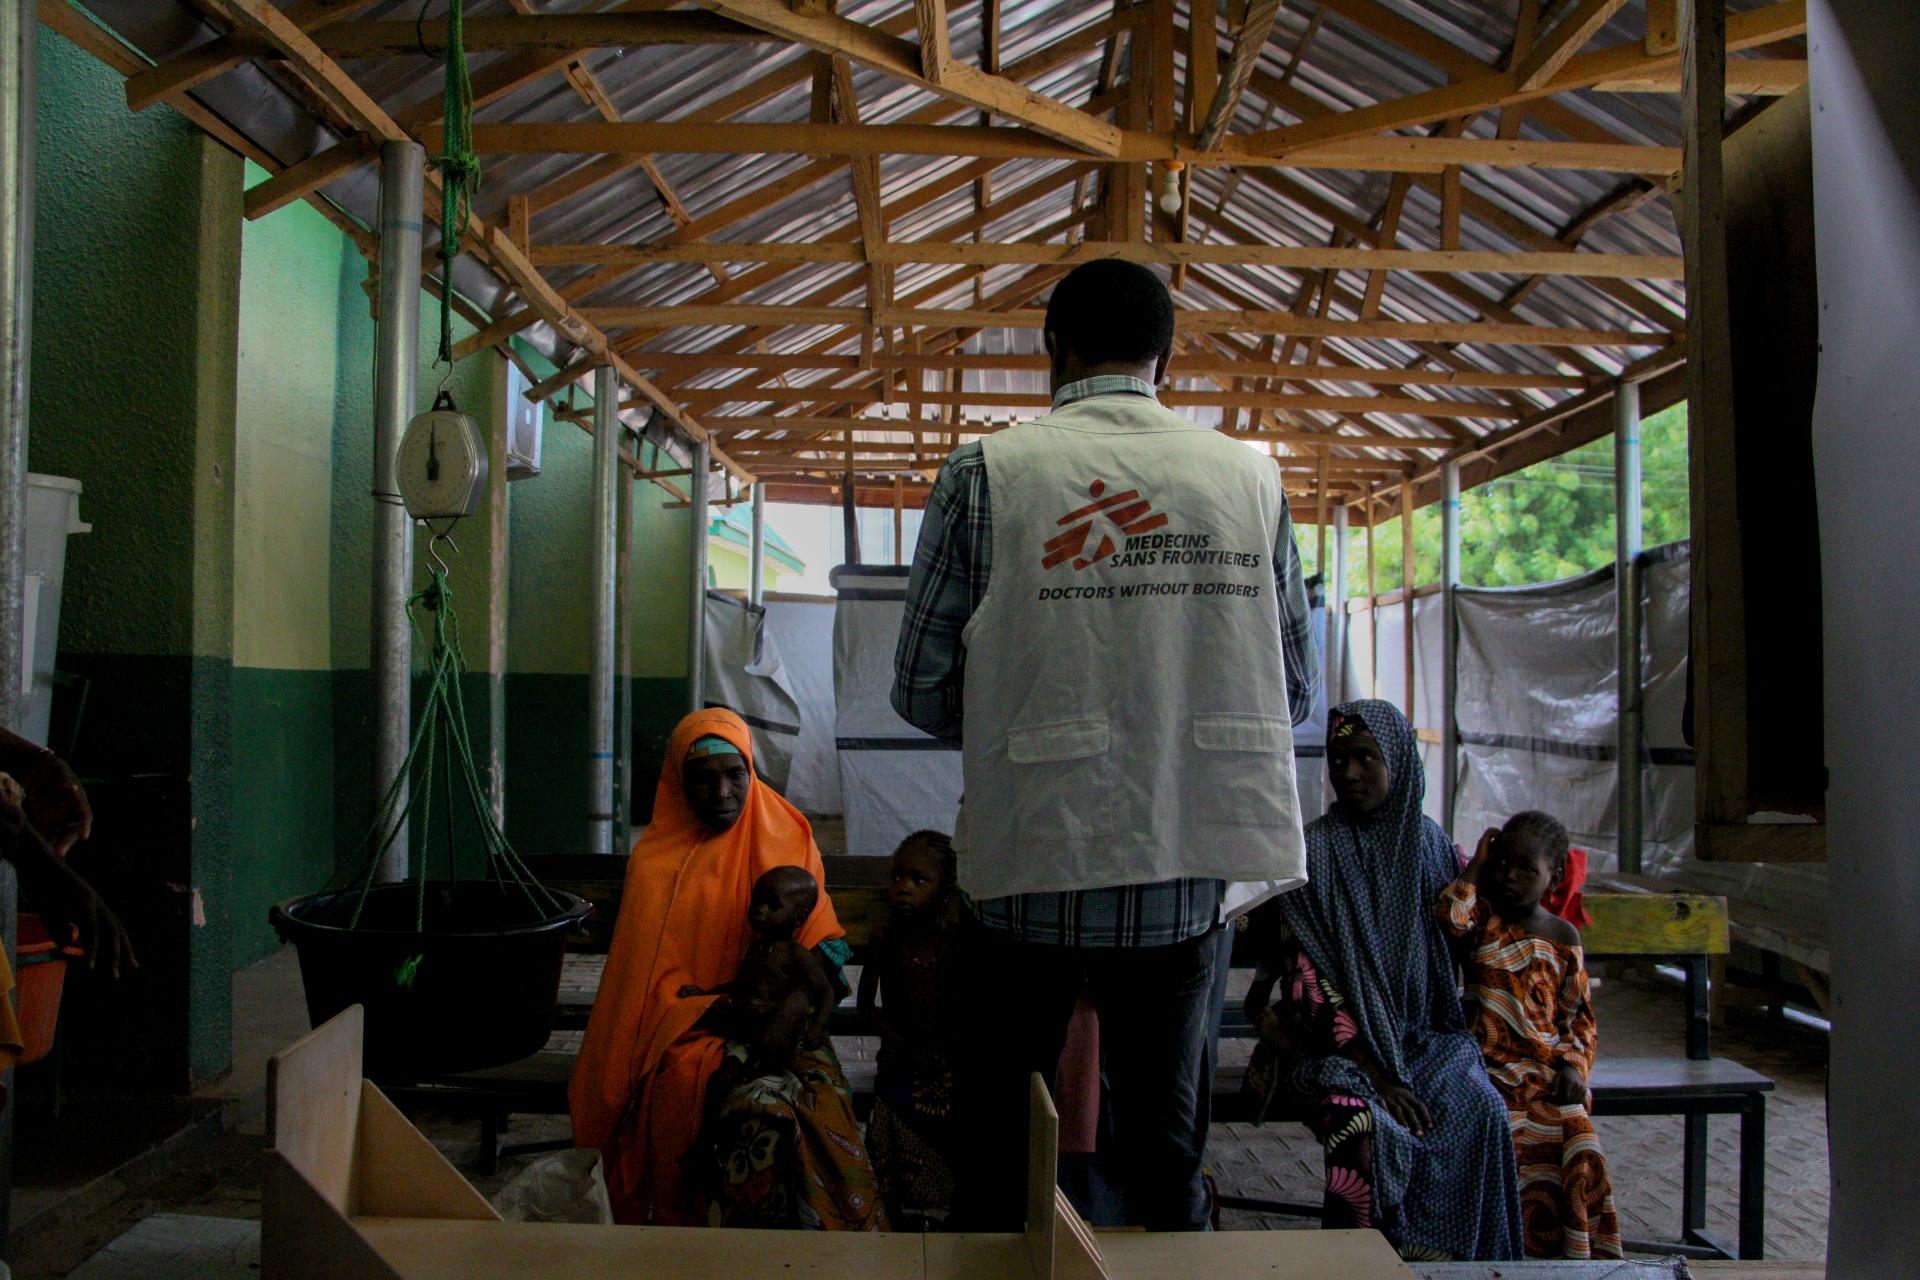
[(948, 582)]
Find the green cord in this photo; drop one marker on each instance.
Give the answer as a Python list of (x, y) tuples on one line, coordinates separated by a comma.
[(459, 167), (442, 729)]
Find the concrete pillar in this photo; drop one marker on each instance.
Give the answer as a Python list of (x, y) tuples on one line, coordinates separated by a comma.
[(605, 558), (19, 25), (757, 553), (1336, 665), (697, 582), (396, 368)]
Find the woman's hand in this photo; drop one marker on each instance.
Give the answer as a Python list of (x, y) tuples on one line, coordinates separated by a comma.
[(1403, 1106), (1569, 1087)]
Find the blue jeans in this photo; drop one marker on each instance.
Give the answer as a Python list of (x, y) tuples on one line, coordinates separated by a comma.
[(1156, 1008)]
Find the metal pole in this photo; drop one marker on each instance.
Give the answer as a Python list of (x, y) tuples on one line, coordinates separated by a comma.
[(757, 555), (606, 456), (396, 366), (697, 584), (1336, 665), (1450, 644), (19, 25), (1626, 577)]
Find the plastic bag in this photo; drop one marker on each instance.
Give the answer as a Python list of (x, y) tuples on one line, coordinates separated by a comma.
[(567, 1186)]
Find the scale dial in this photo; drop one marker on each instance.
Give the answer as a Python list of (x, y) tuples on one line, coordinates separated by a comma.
[(442, 466)]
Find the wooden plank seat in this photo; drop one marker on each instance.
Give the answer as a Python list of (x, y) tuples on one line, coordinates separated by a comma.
[(1686, 930)]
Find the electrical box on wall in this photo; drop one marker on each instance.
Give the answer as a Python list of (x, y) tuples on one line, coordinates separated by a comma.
[(523, 427)]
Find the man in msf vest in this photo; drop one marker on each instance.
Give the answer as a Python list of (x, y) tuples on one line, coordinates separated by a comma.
[(1106, 610)]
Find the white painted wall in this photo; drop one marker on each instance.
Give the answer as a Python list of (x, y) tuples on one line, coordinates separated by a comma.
[(1866, 166)]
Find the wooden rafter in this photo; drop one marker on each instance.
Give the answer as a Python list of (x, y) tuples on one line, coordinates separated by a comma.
[(1550, 52), (830, 33), (262, 21), (1496, 333), (900, 252), (1778, 21), (1383, 155), (1252, 38)]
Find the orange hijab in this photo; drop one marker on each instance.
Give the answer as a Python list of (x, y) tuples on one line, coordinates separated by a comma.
[(683, 921)]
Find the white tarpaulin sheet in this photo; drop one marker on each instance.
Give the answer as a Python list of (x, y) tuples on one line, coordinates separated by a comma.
[(1389, 682), (744, 674), (1538, 717), (894, 779), (803, 629), (1537, 708)]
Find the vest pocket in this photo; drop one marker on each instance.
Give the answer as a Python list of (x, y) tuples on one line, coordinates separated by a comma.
[(1241, 758), (1063, 779)]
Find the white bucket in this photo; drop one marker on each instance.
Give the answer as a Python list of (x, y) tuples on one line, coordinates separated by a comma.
[(53, 512)]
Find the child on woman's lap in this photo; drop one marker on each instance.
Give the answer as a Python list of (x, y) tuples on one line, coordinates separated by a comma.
[(1528, 1006), (910, 1133), (781, 998)]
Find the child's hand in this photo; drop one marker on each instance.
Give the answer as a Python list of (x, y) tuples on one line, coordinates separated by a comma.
[(1569, 1087), (1481, 853), (1267, 1023), (1403, 1106)]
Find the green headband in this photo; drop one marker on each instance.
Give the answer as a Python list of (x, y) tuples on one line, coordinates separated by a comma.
[(711, 745)]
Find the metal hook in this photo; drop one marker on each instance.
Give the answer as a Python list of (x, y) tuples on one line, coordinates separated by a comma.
[(433, 548)]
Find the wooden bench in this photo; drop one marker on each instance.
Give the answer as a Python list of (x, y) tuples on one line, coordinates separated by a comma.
[(1682, 929)]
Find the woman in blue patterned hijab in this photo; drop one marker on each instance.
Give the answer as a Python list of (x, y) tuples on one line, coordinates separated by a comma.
[(1367, 1034)]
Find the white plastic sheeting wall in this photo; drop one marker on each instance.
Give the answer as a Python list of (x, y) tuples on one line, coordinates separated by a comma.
[(745, 674), (804, 631), (894, 779)]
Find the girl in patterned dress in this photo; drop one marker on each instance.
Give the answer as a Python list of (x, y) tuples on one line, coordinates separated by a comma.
[(1528, 1006)]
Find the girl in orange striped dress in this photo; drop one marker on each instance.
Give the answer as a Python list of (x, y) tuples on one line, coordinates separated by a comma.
[(1528, 1006)]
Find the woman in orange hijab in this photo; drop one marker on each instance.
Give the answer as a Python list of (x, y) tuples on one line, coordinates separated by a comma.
[(639, 1093)]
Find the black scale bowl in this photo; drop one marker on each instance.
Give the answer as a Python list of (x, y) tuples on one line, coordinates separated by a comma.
[(476, 988)]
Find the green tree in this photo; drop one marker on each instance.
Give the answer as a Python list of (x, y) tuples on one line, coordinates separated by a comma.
[(1548, 521)]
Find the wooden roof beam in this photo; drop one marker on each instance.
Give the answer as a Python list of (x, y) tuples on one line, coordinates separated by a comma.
[(1301, 257), (1185, 364), (261, 20), (1281, 322), (185, 72), (1247, 45), (569, 34), (1778, 21), (1549, 52), (890, 55), (1412, 406), (1383, 154)]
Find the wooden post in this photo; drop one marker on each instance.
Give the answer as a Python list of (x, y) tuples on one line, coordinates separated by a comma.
[(1406, 588), (1718, 660)]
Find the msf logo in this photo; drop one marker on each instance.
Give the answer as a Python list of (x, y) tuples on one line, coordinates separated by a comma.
[(1125, 513)]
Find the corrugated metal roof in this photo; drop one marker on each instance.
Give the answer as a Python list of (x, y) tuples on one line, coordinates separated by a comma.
[(1346, 66)]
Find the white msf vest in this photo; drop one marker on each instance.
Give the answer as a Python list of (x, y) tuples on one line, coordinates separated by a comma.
[(1126, 716)]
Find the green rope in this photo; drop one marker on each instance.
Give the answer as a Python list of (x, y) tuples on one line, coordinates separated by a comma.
[(442, 734), (459, 167)]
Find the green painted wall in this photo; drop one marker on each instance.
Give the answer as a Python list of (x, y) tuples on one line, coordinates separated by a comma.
[(209, 381), (136, 267), (293, 304)]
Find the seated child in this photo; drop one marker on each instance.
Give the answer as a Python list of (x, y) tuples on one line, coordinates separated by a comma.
[(1527, 1005), (910, 1133), (780, 998)]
